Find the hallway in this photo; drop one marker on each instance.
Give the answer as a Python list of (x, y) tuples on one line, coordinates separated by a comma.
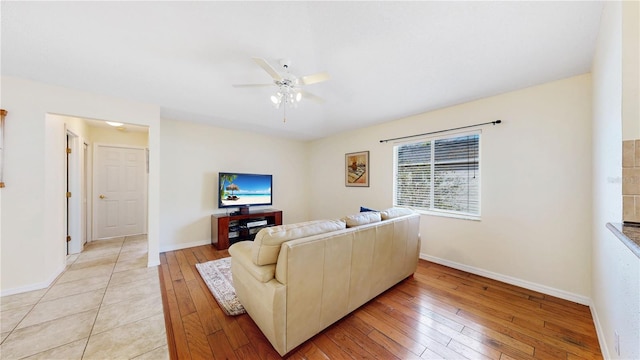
[(106, 304)]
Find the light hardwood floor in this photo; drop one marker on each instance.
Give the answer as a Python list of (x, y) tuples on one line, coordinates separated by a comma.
[(439, 313)]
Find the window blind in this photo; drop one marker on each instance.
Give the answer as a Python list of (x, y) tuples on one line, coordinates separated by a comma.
[(413, 179), (440, 174)]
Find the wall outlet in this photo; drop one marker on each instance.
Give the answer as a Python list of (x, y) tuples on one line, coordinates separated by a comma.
[(616, 338)]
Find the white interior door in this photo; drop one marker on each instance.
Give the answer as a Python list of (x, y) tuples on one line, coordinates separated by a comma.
[(85, 191), (120, 188), (75, 191)]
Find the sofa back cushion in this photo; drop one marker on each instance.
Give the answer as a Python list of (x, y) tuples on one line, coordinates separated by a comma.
[(362, 218), (395, 212), (266, 245)]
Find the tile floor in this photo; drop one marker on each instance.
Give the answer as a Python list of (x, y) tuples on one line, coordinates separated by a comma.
[(106, 305)]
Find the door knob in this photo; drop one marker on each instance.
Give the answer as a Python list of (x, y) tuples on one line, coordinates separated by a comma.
[(102, 197)]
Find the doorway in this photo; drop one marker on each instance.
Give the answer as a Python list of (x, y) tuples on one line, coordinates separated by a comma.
[(83, 137)]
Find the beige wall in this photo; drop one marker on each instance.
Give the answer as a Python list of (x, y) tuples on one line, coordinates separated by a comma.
[(103, 135), (631, 70), (33, 203), (535, 166), (33, 219), (615, 277), (32, 237), (192, 156)]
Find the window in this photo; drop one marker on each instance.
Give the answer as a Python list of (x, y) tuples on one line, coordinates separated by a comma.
[(439, 175)]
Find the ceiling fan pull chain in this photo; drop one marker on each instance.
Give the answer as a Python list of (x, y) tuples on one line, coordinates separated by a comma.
[(284, 111)]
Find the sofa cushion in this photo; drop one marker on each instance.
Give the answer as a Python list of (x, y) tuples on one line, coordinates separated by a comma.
[(395, 212), (241, 253), (365, 209), (266, 245), (362, 218)]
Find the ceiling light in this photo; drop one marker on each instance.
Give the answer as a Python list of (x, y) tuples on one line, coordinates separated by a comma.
[(287, 94), (114, 124)]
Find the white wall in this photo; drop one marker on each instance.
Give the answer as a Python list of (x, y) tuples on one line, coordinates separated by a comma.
[(52, 202), (615, 269), (536, 170), (192, 156), (631, 70), (32, 239)]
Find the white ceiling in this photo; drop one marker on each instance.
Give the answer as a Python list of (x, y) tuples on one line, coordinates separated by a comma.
[(387, 60)]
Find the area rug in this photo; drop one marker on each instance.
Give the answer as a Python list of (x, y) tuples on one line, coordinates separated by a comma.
[(217, 275)]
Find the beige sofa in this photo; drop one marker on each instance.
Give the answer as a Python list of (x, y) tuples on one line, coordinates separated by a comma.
[(295, 280)]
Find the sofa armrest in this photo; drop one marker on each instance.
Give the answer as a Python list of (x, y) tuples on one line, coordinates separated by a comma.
[(241, 253)]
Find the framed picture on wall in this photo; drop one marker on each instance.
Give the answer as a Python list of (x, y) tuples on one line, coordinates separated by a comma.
[(356, 169)]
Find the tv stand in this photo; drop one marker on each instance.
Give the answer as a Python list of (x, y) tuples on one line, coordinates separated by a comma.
[(227, 229)]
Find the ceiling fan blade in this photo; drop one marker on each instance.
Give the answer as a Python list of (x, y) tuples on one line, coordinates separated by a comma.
[(312, 97), (250, 85), (268, 68), (314, 78)]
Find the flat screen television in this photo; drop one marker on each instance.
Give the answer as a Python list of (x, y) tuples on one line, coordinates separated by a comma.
[(244, 190)]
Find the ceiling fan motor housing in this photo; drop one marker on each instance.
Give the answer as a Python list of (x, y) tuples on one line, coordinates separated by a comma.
[(285, 63)]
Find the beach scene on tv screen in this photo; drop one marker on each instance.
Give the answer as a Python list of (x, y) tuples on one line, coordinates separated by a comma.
[(240, 190)]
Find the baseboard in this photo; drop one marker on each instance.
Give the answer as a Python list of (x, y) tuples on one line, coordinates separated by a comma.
[(599, 331), (37, 286), (580, 299), (172, 247), (153, 262)]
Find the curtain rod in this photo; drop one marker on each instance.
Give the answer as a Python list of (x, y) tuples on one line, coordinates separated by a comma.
[(439, 131)]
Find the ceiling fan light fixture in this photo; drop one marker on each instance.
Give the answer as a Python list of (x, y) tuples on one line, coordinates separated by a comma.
[(288, 85), (114, 123)]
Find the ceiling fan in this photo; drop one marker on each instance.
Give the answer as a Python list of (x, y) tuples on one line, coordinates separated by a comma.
[(289, 86)]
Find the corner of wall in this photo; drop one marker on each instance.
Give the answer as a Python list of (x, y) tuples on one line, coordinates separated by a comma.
[(599, 330), (37, 286)]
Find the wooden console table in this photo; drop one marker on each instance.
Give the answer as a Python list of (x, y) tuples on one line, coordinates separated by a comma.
[(243, 226)]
